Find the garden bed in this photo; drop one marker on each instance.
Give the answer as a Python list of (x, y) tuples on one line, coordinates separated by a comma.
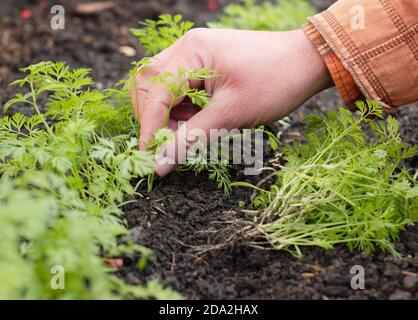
[(186, 220)]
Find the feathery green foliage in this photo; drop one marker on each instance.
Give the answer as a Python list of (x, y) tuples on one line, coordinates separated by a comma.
[(64, 174), (156, 35), (341, 186), (269, 16)]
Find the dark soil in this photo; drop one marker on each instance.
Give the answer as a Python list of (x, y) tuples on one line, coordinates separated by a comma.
[(185, 212)]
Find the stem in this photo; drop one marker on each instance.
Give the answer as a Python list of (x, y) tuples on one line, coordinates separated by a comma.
[(35, 105), (169, 112), (16, 132), (150, 183)]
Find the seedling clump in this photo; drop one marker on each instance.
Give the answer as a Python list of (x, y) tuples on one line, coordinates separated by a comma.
[(341, 186), (65, 172)]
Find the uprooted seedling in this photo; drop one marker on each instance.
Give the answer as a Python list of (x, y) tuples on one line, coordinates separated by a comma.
[(342, 186)]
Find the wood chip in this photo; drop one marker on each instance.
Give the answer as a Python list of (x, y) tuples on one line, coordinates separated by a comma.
[(93, 7), (316, 268), (307, 275)]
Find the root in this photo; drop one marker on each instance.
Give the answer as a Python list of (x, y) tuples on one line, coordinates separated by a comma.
[(262, 182), (227, 235)]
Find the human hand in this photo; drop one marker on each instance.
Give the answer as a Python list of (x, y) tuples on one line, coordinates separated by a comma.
[(263, 76)]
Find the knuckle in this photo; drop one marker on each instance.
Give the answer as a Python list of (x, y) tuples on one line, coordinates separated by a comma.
[(195, 36), (149, 70), (227, 117), (146, 73)]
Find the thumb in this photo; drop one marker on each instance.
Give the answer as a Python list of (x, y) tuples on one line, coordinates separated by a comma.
[(215, 116), (157, 101)]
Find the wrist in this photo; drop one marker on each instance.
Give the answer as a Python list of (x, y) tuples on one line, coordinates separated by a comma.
[(316, 70)]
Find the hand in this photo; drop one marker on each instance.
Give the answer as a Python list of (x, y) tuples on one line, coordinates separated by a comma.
[(263, 76)]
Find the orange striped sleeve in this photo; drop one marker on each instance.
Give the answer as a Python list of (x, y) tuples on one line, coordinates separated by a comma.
[(344, 82)]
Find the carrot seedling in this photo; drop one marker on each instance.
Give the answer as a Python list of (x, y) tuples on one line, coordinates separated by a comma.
[(342, 186), (65, 172)]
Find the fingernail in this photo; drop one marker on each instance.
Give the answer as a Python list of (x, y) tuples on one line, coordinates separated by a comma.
[(165, 160)]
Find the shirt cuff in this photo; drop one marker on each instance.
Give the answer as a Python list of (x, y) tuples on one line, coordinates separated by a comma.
[(344, 82)]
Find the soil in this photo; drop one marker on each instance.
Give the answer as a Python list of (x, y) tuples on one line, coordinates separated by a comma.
[(186, 213)]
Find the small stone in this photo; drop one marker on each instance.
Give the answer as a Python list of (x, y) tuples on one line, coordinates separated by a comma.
[(136, 234), (400, 295), (127, 51), (410, 282), (391, 270)]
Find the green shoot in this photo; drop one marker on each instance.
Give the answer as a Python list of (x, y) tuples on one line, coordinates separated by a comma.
[(278, 16), (155, 36), (161, 137), (216, 165)]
